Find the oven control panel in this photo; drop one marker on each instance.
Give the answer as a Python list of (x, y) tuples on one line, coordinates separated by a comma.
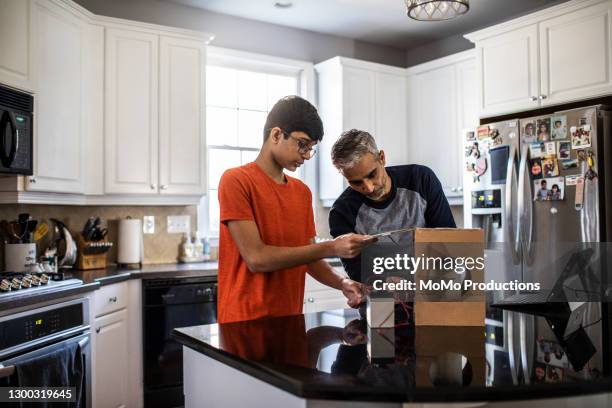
[(35, 324)]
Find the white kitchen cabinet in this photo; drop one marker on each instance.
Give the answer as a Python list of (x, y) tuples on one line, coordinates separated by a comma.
[(319, 297), (576, 54), (154, 114), (16, 44), (509, 71), (111, 360), (60, 38), (557, 55), (182, 137), (131, 111), (441, 103), (360, 95)]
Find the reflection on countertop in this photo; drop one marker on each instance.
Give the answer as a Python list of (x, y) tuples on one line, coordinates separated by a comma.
[(335, 355)]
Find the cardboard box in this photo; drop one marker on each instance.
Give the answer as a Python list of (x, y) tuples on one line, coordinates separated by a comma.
[(449, 307)]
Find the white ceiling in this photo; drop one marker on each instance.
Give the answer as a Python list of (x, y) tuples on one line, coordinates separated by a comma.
[(377, 21)]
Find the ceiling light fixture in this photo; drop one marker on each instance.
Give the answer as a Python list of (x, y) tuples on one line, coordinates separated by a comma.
[(283, 4), (436, 10)]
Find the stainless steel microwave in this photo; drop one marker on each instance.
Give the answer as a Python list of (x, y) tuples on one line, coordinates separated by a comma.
[(16, 141)]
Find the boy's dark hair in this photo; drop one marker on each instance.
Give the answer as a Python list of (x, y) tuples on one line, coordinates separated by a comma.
[(294, 114)]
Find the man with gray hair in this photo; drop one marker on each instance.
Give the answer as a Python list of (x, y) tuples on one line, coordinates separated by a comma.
[(382, 198)]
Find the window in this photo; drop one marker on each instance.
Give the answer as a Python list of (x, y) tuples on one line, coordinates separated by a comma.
[(239, 94)]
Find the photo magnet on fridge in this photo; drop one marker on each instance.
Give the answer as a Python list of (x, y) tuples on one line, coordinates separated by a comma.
[(559, 127), (580, 136), (550, 148), (569, 164), (536, 150), (529, 132), (536, 169), (544, 129), (550, 167), (483, 132), (549, 189), (564, 150), (574, 179)]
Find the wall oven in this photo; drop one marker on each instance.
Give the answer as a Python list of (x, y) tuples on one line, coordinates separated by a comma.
[(16, 140), (168, 304), (48, 347)]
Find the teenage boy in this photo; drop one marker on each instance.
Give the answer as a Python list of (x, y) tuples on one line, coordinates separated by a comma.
[(267, 225), (382, 198)]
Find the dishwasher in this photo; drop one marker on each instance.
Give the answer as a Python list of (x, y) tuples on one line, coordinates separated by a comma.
[(169, 304)]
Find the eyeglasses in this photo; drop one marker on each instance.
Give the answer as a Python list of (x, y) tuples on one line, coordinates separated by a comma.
[(303, 147)]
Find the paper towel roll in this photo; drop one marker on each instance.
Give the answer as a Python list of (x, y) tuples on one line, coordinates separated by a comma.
[(130, 249)]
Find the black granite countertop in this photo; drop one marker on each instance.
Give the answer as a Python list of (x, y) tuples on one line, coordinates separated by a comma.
[(85, 281), (114, 273), (334, 355), (95, 278)]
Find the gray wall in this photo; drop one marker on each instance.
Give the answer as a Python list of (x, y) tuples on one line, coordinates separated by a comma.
[(247, 35), (437, 49)]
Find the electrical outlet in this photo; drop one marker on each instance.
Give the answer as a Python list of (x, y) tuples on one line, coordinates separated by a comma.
[(148, 224), (178, 224)]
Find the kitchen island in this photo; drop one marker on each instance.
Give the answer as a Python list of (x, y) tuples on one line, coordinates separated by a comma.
[(334, 359)]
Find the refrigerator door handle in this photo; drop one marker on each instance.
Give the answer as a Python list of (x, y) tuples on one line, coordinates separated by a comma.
[(523, 346), (512, 237), (526, 217), (509, 344)]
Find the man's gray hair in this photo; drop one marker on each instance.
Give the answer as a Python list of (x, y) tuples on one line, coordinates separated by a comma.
[(351, 146)]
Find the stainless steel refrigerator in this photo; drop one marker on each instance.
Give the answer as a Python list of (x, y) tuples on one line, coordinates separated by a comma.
[(533, 227)]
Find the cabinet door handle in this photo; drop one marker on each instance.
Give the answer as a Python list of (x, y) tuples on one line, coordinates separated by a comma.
[(153, 186), (311, 300), (543, 97), (533, 98), (454, 189), (112, 299), (460, 189), (32, 180), (164, 187), (98, 330)]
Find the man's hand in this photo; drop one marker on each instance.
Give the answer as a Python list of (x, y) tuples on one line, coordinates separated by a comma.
[(353, 291), (350, 245)]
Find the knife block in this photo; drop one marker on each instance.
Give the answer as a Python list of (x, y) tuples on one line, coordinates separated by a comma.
[(86, 260)]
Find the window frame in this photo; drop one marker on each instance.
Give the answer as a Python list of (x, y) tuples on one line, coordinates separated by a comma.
[(267, 64)]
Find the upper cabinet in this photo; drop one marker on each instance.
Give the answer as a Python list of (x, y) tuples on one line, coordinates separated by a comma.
[(355, 94), (576, 54), (557, 55), (60, 38), (119, 106), (182, 127), (131, 112), (509, 71), (155, 106), (16, 45), (442, 101)]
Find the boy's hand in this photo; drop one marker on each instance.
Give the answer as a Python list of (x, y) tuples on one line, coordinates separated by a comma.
[(350, 245), (353, 291)]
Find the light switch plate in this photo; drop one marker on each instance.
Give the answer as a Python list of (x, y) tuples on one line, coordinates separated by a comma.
[(148, 224), (178, 224)]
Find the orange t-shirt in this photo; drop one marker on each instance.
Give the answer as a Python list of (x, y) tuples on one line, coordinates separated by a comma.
[(283, 214)]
